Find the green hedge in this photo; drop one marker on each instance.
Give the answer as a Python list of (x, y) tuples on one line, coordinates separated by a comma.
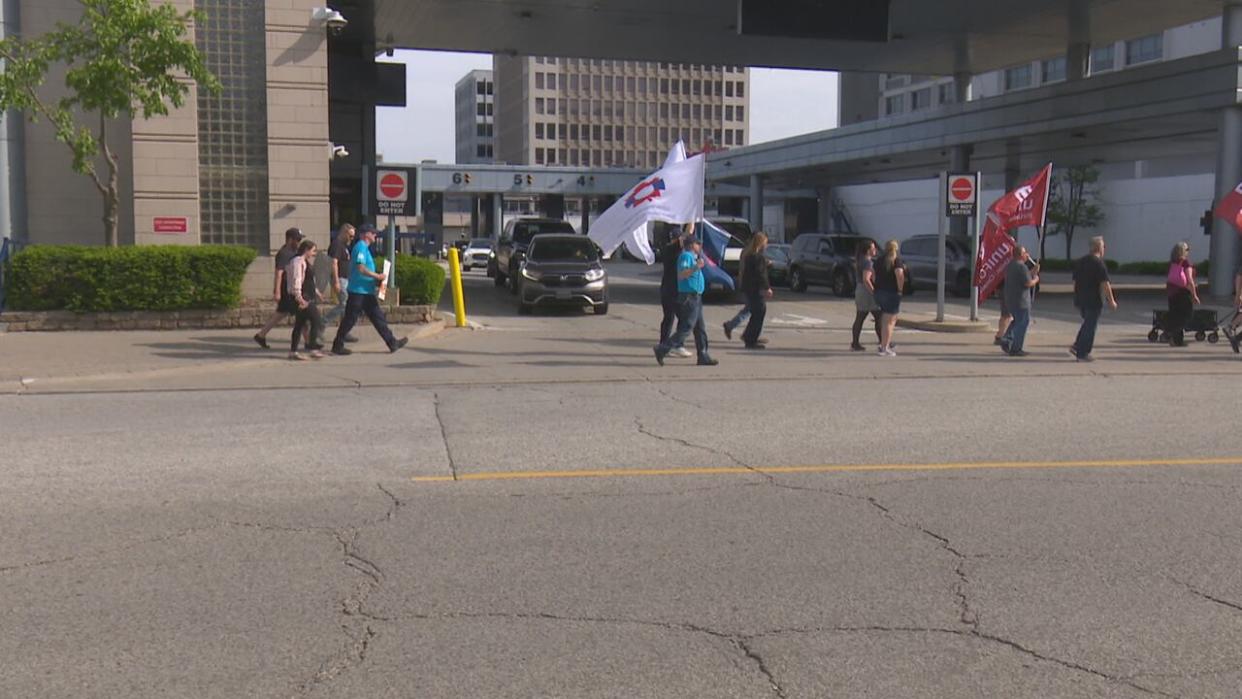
[(1149, 267), (1056, 264), (135, 278), (420, 280)]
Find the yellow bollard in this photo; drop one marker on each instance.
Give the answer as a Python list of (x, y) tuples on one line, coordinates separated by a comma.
[(459, 301)]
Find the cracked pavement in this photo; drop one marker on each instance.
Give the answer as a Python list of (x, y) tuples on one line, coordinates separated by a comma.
[(261, 543)]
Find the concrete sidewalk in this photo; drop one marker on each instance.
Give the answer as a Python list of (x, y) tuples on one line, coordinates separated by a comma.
[(50, 358)]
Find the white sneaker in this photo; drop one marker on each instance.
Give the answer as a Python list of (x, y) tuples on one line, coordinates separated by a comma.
[(890, 352), (881, 352), (681, 352)]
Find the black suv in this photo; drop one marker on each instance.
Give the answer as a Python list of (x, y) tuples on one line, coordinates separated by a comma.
[(825, 259), (921, 254), (514, 240)]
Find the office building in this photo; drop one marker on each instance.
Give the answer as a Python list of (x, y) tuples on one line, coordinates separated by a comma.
[(475, 101), (612, 113)]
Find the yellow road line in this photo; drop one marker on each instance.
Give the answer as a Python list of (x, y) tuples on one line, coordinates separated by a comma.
[(827, 468)]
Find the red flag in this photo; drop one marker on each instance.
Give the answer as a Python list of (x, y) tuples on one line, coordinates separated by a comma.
[(995, 251), (1230, 208), (1025, 206)]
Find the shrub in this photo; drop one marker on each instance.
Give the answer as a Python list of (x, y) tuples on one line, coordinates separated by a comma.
[(1146, 267), (139, 278), (1052, 264), (420, 280)]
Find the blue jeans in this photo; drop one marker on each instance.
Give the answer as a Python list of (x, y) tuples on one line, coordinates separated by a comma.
[(689, 319), (1086, 334), (339, 309), (1015, 337), (741, 317)]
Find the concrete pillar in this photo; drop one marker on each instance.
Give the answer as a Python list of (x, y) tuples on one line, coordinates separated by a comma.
[(553, 205), (475, 216), (824, 206), (1077, 57), (1013, 165), (756, 202), (498, 214), (1228, 167), (961, 87), (959, 161), (586, 216), (12, 149)]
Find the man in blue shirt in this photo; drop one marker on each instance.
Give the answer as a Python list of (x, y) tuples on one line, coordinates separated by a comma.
[(363, 286), (689, 304)]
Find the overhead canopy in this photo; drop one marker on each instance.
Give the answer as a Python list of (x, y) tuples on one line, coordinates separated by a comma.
[(938, 37)]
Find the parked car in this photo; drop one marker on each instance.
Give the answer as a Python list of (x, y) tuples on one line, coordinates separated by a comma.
[(922, 256), (778, 254), (824, 259), (476, 254), (511, 247), (562, 269)]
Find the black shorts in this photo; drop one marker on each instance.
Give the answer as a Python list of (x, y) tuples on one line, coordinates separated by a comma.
[(287, 305)]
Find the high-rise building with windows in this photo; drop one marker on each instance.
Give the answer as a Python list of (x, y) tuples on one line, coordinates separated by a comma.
[(475, 98), (601, 113)]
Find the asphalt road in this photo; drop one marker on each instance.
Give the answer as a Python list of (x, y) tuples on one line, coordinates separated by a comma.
[(534, 509)]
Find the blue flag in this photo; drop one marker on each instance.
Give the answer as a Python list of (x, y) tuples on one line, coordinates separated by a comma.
[(715, 240)]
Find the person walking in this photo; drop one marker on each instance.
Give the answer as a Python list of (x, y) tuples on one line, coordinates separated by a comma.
[(689, 304), (339, 252), (1091, 288), (756, 287), (743, 314), (363, 288), (284, 306), (668, 285), (1183, 294), (890, 279), (302, 291), (1019, 280), (864, 294)]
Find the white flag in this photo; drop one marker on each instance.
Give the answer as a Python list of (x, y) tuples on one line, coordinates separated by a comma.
[(673, 194)]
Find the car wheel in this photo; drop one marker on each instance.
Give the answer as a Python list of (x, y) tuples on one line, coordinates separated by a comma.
[(514, 287), (796, 281), (841, 284), (961, 285), (602, 309)]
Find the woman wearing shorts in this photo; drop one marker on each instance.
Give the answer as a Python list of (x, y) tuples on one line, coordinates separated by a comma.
[(864, 294), (890, 278)]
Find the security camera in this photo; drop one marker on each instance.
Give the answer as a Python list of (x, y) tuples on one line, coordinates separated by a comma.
[(334, 20), (339, 152)]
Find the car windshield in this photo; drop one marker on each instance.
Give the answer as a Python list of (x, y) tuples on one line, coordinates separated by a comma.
[(523, 231), (740, 232), (481, 243), (563, 250)]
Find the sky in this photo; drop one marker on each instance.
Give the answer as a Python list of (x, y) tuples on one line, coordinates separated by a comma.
[(782, 103)]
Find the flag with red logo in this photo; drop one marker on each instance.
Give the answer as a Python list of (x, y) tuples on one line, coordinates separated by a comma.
[(1230, 208), (1025, 206)]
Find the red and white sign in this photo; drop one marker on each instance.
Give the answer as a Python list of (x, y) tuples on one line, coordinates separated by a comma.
[(392, 185), (170, 224), (962, 194)]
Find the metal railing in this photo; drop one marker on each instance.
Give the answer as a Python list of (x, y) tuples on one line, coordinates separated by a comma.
[(841, 218)]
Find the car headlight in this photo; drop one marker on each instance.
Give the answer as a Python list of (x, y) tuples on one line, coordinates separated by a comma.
[(533, 276), (491, 254), (594, 275)]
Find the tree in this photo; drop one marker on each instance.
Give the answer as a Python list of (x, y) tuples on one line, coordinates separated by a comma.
[(125, 57), (1072, 204)]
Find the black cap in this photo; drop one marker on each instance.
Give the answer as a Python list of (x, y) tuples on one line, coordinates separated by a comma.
[(294, 233), (367, 228)]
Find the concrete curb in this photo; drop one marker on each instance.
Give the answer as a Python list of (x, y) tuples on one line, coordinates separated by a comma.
[(945, 326)]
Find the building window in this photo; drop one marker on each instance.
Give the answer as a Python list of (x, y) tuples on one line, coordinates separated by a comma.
[(728, 112), (945, 93), (538, 81), (596, 131), (481, 87), (607, 132), (676, 87), (1018, 78), (664, 110), (573, 81), (551, 156), (620, 134), (741, 113), (739, 137), (663, 134), (573, 157), (539, 108), (920, 99), (894, 105), (573, 132), (608, 108), (729, 89), (551, 81), (741, 89), (1144, 49), (491, 87), (232, 125), (539, 156), (539, 130), (697, 111), (481, 130), (728, 134), (1052, 71), (481, 109), (596, 83), (1103, 59), (551, 132)]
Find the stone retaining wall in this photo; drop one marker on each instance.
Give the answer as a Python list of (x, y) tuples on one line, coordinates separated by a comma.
[(247, 316)]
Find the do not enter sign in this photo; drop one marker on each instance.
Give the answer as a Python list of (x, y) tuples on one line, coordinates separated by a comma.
[(962, 195), (392, 192)]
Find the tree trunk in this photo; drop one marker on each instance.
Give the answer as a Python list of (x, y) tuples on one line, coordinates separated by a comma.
[(111, 193)]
